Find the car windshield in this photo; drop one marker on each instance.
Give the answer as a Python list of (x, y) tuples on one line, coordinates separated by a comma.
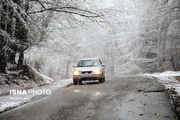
[(88, 63)]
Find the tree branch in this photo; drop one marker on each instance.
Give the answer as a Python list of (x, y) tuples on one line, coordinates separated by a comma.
[(70, 10), (39, 3)]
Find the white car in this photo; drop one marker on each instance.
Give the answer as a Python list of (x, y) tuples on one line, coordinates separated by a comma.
[(89, 69)]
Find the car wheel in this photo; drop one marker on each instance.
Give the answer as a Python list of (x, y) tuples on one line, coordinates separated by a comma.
[(104, 79), (79, 82), (101, 80), (74, 82)]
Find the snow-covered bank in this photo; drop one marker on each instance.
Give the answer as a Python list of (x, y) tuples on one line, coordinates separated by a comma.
[(166, 73), (168, 80), (172, 86), (25, 78), (11, 101), (44, 78)]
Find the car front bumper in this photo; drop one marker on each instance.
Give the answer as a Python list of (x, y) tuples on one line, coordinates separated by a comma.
[(87, 77)]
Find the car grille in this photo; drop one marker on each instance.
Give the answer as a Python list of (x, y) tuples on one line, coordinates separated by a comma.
[(87, 72)]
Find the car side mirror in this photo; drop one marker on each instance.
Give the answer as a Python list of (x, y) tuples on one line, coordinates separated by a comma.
[(103, 65), (74, 66)]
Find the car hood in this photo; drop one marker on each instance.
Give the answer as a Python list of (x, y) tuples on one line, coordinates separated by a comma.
[(86, 68)]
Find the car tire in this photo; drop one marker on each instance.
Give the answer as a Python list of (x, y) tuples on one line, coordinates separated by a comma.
[(79, 82), (74, 82), (104, 79), (100, 80)]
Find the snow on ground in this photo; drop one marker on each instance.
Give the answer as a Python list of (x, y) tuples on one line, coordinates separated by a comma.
[(168, 79), (45, 78), (10, 101), (165, 74), (6, 105)]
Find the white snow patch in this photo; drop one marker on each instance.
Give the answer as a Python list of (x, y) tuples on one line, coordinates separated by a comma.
[(6, 105), (166, 73), (168, 79), (63, 83), (10, 101), (45, 78)]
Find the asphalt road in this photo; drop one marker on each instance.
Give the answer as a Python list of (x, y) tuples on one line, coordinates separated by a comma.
[(127, 98)]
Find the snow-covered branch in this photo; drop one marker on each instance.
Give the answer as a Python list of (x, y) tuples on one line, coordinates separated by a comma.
[(70, 10)]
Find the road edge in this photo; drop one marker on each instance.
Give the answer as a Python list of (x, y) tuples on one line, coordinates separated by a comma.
[(23, 103), (173, 97)]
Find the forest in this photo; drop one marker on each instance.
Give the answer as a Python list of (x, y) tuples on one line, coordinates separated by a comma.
[(130, 36), (133, 47)]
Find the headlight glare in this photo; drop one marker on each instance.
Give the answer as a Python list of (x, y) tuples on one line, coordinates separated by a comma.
[(76, 72), (97, 71)]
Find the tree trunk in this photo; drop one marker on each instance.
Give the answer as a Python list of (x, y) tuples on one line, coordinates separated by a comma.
[(173, 63), (3, 63), (67, 69), (21, 59), (12, 58)]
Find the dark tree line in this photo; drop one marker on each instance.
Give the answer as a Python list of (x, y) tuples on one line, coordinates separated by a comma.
[(13, 32), (15, 18)]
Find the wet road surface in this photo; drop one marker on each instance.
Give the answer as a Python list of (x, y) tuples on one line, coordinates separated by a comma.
[(126, 98)]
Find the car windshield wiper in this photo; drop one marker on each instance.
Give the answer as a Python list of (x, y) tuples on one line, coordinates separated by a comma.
[(90, 66), (80, 66), (86, 66)]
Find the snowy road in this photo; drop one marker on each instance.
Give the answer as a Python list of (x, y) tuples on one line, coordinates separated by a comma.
[(128, 98)]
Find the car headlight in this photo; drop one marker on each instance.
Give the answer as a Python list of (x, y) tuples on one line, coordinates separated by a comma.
[(76, 72), (97, 71)]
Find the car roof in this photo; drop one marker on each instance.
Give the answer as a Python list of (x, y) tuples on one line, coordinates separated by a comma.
[(90, 59)]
